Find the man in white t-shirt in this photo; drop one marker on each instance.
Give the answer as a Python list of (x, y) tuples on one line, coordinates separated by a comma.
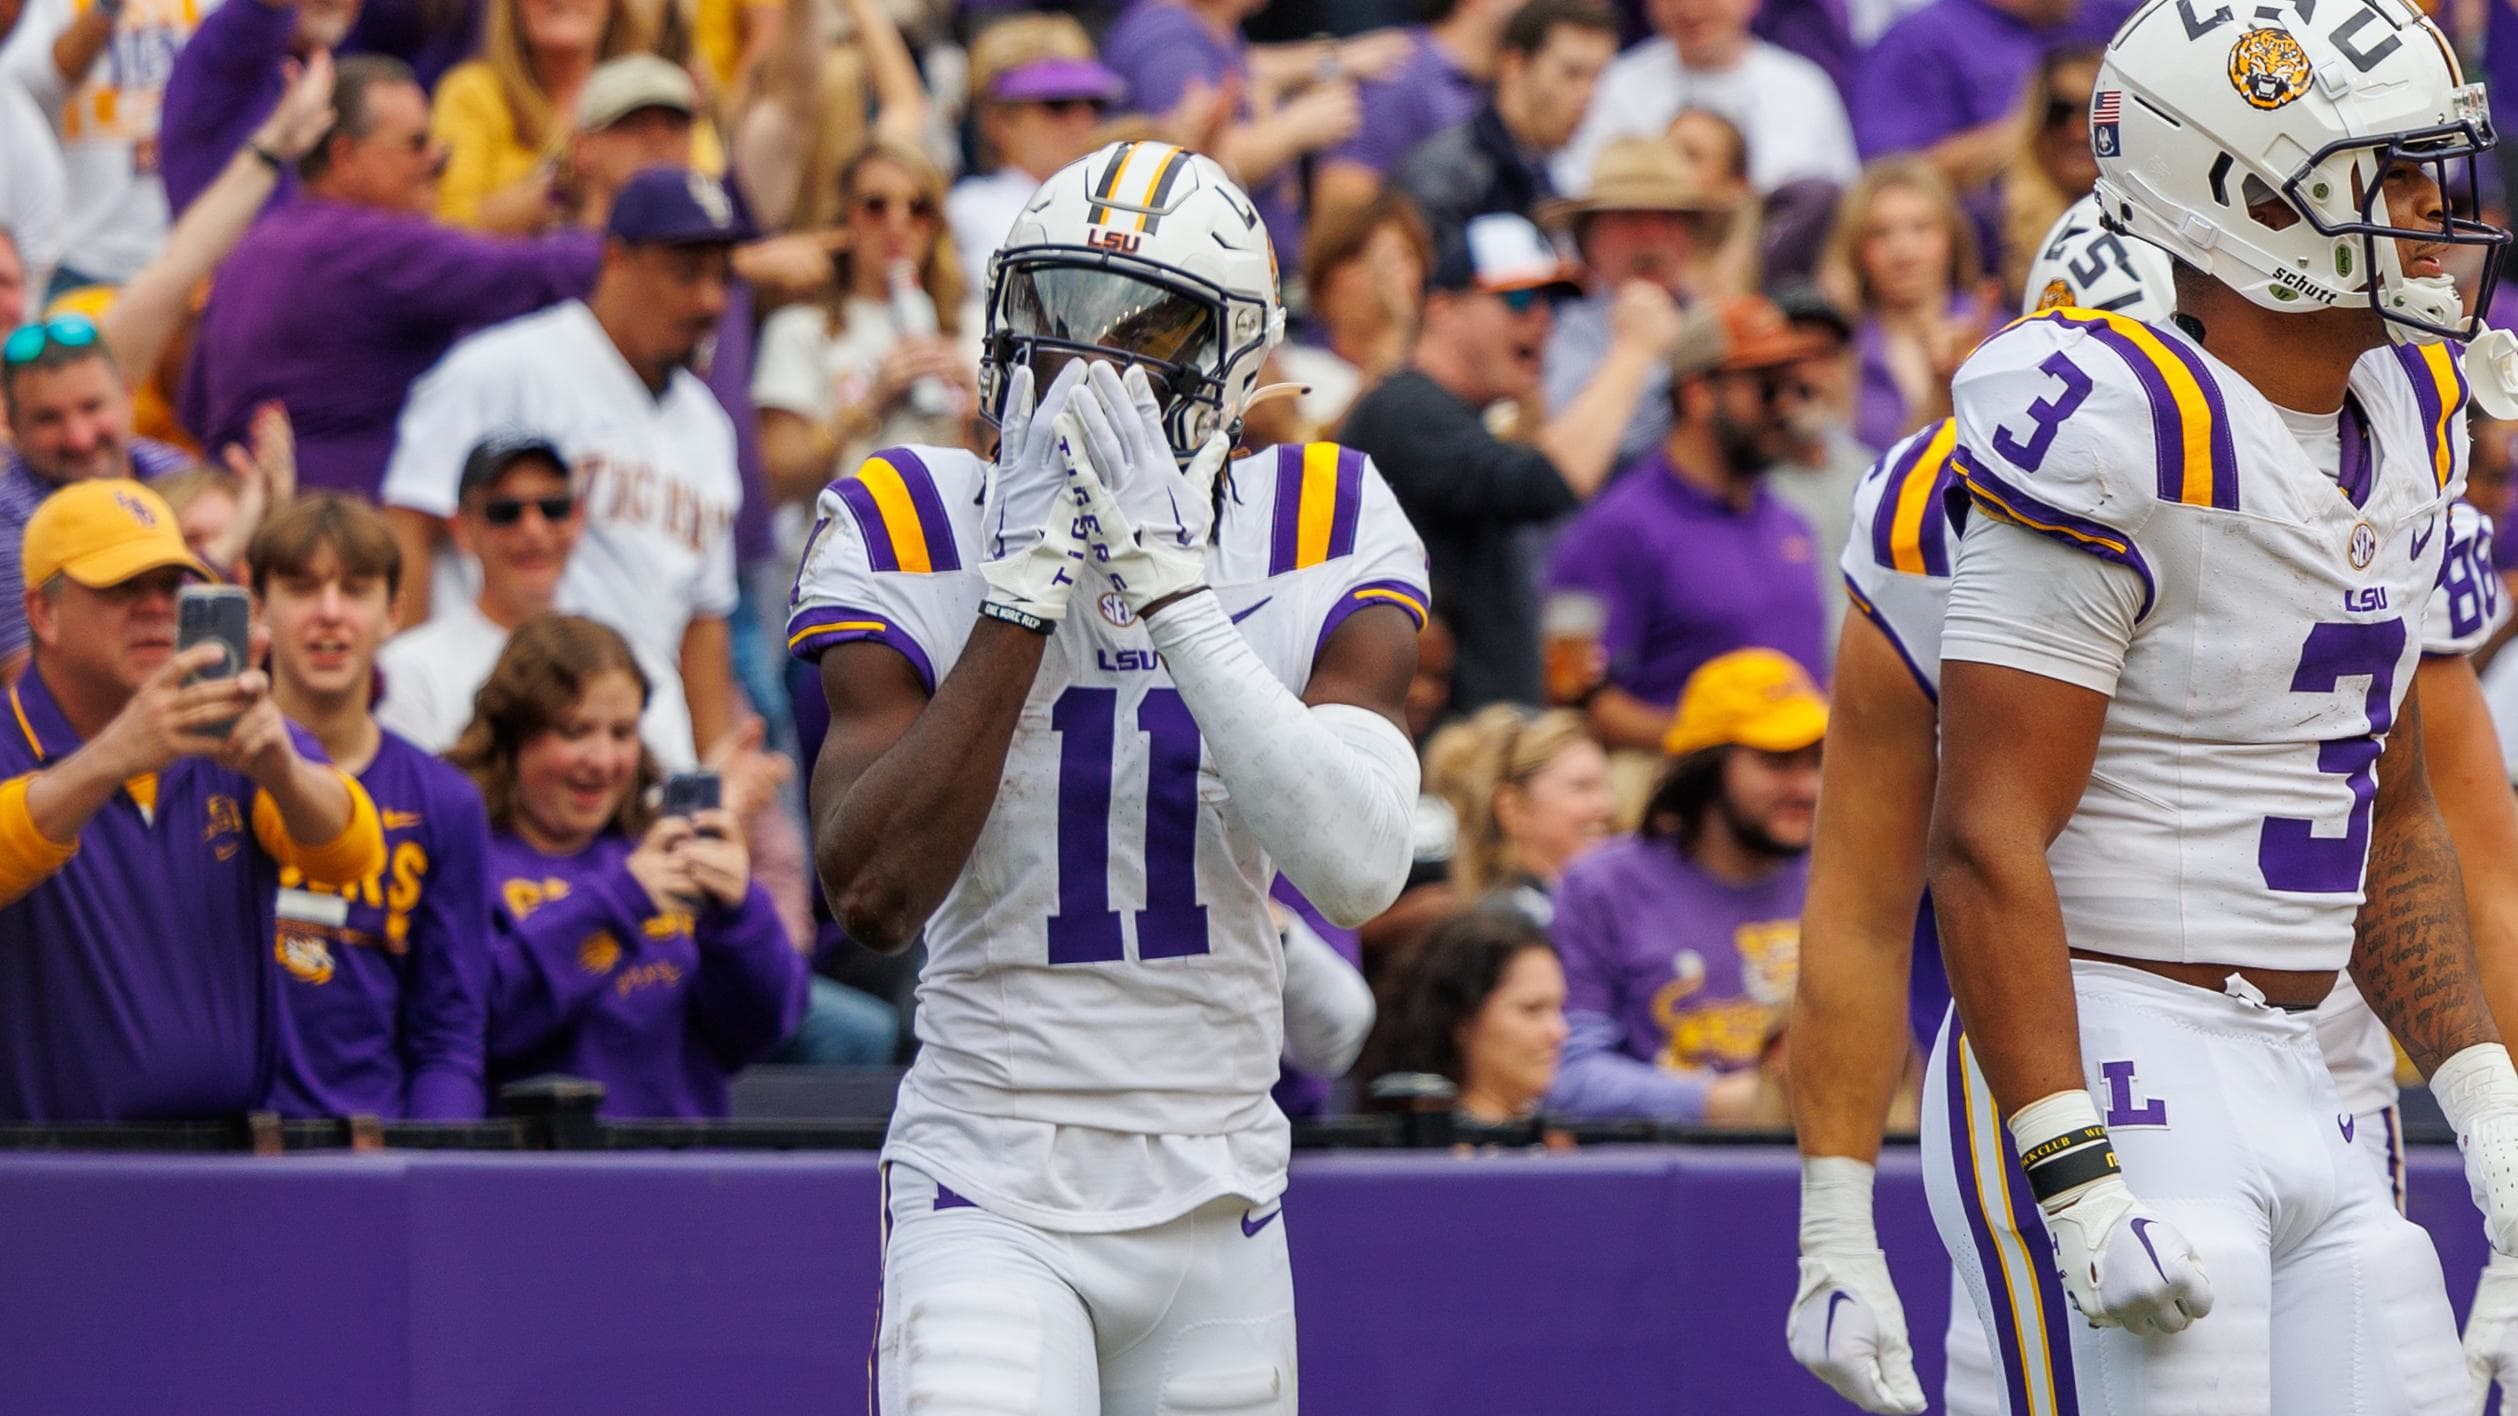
[(97, 71), (518, 516), (1703, 56), (650, 450)]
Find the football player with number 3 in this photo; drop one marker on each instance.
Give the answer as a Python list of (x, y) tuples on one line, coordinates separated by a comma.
[(2170, 806), (1870, 962), (1086, 701)]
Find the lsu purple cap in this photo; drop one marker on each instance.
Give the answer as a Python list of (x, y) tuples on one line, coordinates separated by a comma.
[(1048, 80), (673, 206)]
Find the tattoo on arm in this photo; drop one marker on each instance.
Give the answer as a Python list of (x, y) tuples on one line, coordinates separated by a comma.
[(2412, 953)]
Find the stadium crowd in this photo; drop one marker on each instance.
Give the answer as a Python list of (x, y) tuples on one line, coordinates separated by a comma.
[(501, 349)]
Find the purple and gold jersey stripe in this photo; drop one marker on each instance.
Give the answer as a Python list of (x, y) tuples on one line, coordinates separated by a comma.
[(2031, 1335), (1409, 598), (2439, 387), (1863, 606), (1136, 184), (1909, 533), (1999, 498), (810, 632), (893, 498), (1319, 499), (2190, 426)]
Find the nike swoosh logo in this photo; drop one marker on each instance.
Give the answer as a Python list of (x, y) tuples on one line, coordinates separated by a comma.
[(2422, 538), (1827, 1335), (2346, 1123), (1251, 1227), (1252, 608), (2140, 1226)]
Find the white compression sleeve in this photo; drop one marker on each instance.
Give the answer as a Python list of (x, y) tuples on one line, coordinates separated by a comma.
[(1329, 790)]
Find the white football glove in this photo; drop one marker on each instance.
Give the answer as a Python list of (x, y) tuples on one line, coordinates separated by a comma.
[(1033, 517), (2123, 1265), (2478, 1092), (1150, 541), (1846, 1325), (2492, 1331)]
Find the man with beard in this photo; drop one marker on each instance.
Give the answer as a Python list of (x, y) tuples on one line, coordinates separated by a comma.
[(608, 382), (1688, 554), (1681, 943)]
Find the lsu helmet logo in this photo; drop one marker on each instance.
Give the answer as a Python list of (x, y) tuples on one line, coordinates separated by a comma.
[(2056, 296), (2268, 68)]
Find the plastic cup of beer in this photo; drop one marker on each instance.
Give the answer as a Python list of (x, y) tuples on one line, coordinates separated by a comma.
[(1570, 625)]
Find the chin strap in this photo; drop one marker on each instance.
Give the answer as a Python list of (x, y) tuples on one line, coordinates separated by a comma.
[(2491, 366)]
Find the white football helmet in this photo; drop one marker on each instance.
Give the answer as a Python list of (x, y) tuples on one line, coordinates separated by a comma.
[(2085, 266), (1149, 252), (2205, 108)]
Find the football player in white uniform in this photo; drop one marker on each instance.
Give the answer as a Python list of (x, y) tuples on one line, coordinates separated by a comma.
[(1086, 700), (2187, 583), (1860, 973)]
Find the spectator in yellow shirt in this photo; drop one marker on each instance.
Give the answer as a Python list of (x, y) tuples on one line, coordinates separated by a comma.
[(504, 117)]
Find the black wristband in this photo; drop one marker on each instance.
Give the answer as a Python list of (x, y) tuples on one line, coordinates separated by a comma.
[(270, 159), (1020, 619), (2069, 1161)]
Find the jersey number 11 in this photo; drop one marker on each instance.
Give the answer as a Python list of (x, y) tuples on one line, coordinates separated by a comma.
[(1085, 930)]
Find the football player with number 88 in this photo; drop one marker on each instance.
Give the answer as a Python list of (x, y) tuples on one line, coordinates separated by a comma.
[(1087, 700)]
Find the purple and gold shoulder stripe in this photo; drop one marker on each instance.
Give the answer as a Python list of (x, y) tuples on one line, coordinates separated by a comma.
[(1909, 528), (2191, 441), (1408, 598), (1998, 498), (893, 499), (811, 632), (1319, 502), (2439, 389)]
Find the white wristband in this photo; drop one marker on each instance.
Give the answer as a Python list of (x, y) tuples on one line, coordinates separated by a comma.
[(2475, 1083), (1836, 1205)]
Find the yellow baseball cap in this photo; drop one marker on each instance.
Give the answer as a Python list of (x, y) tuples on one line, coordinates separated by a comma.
[(1752, 697), (102, 533)]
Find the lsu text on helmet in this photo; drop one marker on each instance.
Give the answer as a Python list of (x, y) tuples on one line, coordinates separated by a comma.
[(1146, 253), (2297, 109)]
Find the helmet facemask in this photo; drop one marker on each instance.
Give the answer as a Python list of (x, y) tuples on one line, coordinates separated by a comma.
[(1052, 303), (2348, 175)]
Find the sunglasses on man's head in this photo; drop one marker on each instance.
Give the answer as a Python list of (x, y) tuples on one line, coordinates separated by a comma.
[(507, 511), (881, 207), (27, 342)]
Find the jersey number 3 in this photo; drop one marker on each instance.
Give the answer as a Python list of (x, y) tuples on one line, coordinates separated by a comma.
[(1173, 925), (2293, 858)]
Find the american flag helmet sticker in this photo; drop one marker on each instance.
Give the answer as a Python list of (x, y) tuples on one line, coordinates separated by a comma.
[(2106, 109)]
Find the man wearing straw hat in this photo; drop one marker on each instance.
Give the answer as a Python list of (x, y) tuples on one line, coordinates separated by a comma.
[(1644, 217)]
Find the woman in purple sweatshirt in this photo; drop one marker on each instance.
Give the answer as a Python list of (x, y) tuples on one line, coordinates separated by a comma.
[(627, 948)]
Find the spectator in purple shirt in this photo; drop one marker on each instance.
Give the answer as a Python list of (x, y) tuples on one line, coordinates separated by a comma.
[(630, 949), (384, 982), (228, 78), (1480, 1002), (335, 302), (1440, 84), (1689, 555), (1682, 942), (1905, 252), (1297, 100), (70, 414), (1945, 81)]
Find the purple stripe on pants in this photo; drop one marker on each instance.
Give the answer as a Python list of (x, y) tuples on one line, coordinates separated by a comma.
[(2005, 1333)]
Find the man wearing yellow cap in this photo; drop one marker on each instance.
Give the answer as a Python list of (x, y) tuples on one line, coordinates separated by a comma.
[(1681, 943), (140, 847)]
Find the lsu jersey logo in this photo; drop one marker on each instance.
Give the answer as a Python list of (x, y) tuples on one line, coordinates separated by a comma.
[(305, 954), (2056, 296), (599, 953), (2268, 68)]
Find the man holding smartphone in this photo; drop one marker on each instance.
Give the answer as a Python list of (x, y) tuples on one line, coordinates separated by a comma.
[(140, 855)]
